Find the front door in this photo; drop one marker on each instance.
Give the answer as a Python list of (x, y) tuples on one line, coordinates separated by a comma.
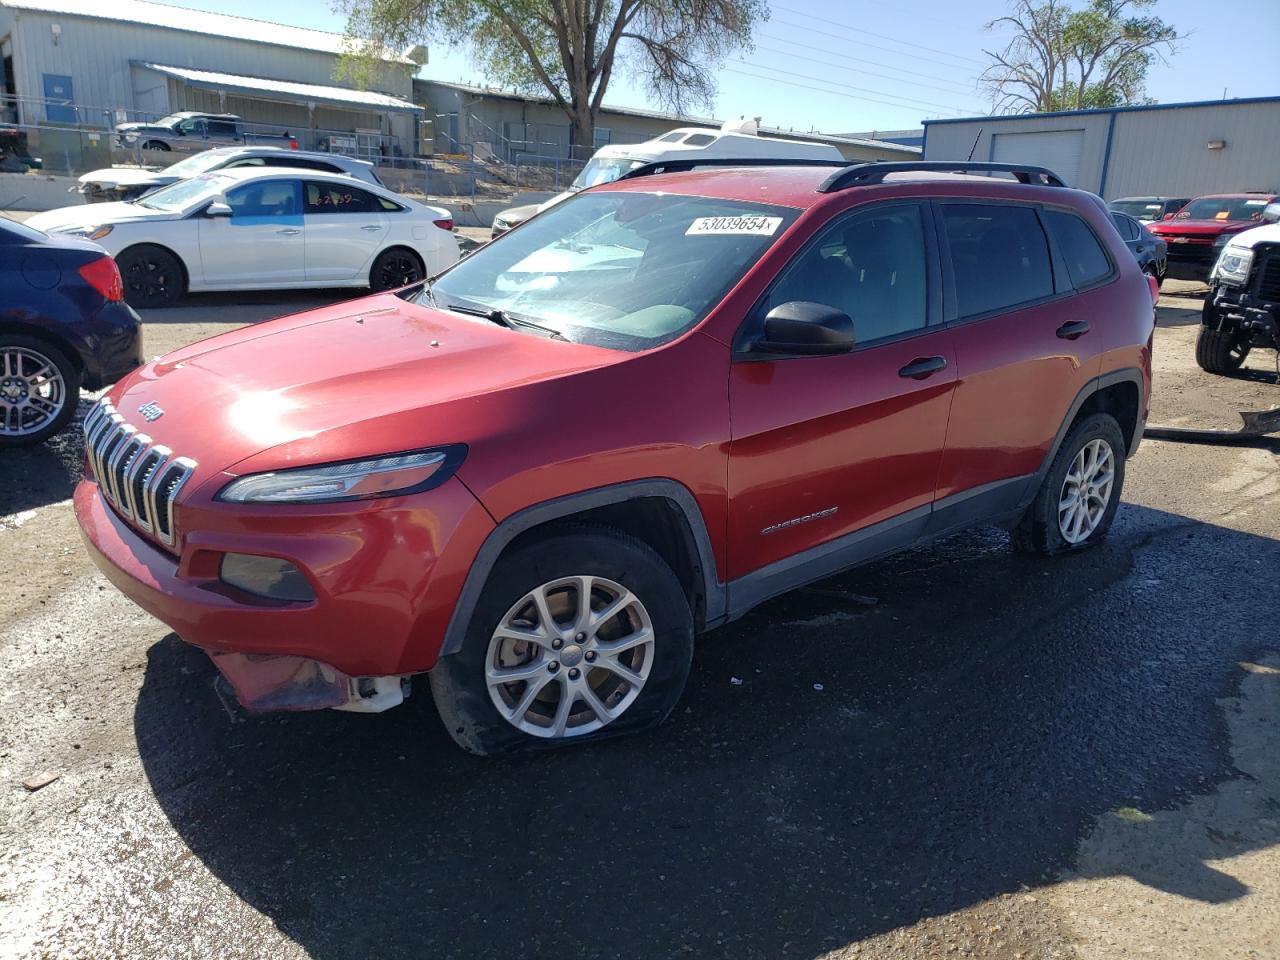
[(1023, 338), (825, 447), (262, 242)]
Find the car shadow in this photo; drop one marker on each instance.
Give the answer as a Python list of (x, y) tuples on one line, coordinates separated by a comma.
[(44, 473), (246, 306), (900, 742)]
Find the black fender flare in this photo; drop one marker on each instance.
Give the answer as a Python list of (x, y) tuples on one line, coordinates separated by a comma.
[(567, 506)]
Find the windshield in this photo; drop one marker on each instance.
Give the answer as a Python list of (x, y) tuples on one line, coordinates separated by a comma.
[(194, 164), (604, 170), (172, 120), (1140, 209), (1224, 208), (618, 269), (185, 193)]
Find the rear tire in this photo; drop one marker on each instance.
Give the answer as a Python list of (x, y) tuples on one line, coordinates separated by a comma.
[(649, 636), (39, 390), (156, 145), (396, 268), (152, 276), (1050, 524), (1220, 351)]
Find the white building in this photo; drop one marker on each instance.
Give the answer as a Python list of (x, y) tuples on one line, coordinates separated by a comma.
[(102, 61), (1166, 149)]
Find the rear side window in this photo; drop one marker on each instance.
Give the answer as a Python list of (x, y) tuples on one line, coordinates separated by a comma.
[(871, 266), (221, 128), (999, 255), (1127, 226), (1086, 261), (332, 198)]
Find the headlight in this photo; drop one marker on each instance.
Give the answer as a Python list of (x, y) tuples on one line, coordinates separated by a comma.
[(1233, 265), (89, 233), (356, 480), (1223, 240), (500, 223)]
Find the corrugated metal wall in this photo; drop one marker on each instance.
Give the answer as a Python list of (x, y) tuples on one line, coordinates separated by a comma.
[(1161, 152), (96, 54)]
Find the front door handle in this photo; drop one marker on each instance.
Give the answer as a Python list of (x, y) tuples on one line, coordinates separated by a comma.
[(371, 227), (922, 367), (1076, 328), (289, 232)]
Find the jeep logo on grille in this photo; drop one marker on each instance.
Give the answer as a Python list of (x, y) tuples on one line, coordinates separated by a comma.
[(151, 411)]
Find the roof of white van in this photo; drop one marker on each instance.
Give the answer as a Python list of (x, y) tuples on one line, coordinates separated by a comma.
[(699, 141)]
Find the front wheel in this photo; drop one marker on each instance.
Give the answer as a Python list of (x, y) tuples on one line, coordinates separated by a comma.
[(395, 269), (152, 276), (156, 145), (1220, 351), (580, 635), (1080, 494), (39, 390)]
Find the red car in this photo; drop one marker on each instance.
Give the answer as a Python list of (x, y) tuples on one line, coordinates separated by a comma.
[(1197, 233), (633, 419)]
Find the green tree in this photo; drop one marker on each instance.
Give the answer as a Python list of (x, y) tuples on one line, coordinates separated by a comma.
[(1059, 58), (567, 49)]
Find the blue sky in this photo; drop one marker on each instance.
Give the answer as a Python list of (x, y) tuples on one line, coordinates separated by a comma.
[(861, 65)]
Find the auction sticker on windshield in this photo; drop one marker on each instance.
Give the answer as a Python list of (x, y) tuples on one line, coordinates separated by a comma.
[(757, 226)]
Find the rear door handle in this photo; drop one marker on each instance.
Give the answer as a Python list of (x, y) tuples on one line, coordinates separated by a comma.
[(289, 232), (922, 367), (1076, 328)]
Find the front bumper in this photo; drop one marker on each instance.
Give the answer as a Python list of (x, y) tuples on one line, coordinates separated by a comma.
[(382, 595)]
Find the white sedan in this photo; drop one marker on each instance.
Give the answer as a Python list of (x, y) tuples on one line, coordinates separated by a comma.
[(258, 229)]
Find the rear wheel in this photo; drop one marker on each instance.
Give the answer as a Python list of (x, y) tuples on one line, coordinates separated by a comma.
[(1080, 494), (395, 269), (152, 276), (581, 635), (156, 145), (1220, 351), (1156, 271), (39, 390)]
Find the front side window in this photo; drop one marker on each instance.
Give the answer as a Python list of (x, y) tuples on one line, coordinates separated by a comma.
[(334, 198), (870, 266), (1086, 261), (999, 256), (266, 198), (619, 269), (192, 128)]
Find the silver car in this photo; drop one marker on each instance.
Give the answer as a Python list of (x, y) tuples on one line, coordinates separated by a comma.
[(129, 183)]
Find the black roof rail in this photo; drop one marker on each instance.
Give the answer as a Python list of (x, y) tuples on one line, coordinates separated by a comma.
[(683, 164), (866, 174)]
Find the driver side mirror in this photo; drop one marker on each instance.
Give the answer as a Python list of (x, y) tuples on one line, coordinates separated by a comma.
[(1271, 213), (801, 328), (217, 209)]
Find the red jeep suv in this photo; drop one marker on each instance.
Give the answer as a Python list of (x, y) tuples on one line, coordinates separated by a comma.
[(627, 421)]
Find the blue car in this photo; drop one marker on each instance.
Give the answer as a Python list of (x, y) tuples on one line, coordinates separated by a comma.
[(63, 325)]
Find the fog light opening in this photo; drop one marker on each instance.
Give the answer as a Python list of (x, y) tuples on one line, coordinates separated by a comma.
[(268, 577)]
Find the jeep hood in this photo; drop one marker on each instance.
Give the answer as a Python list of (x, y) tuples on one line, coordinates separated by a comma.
[(362, 378)]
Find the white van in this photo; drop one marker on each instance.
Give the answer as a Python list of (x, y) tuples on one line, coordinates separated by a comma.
[(735, 140)]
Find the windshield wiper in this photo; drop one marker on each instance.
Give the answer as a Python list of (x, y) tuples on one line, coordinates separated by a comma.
[(504, 319)]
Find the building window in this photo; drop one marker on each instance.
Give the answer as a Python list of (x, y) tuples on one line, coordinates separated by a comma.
[(603, 136)]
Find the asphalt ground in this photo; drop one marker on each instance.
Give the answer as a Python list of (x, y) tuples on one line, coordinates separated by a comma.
[(959, 751)]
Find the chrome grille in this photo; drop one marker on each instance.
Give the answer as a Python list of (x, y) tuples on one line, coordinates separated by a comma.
[(139, 478)]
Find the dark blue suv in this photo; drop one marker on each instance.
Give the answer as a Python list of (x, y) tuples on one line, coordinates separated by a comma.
[(63, 325)]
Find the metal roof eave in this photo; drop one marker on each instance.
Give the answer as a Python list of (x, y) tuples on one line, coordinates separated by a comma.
[(1103, 111)]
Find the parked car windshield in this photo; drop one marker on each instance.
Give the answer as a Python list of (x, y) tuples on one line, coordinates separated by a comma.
[(184, 193), (622, 270), (1224, 208), (1139, 209), (604, 170)]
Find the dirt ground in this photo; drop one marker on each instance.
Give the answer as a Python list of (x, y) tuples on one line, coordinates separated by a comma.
[(955, 752)]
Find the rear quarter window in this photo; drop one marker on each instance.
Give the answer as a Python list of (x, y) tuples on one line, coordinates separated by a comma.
[(1087, 261)]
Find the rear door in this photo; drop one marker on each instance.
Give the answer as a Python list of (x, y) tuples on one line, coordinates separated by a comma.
[(345, 228), (1026, 340), (824, 447), (261, 242)]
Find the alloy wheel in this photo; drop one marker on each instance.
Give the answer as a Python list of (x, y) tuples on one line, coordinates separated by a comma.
[(1086, 491), (569, 657), (32, 391), (147, 280), (399, 270)]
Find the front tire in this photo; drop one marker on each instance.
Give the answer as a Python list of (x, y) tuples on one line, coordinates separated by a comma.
[(156, 145), (396, 268), (1080, 494), (1220, 351), (153, 276), (39, 390), (578, 636)]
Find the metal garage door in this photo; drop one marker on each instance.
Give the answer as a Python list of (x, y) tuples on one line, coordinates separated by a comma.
[(1059, 150)]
